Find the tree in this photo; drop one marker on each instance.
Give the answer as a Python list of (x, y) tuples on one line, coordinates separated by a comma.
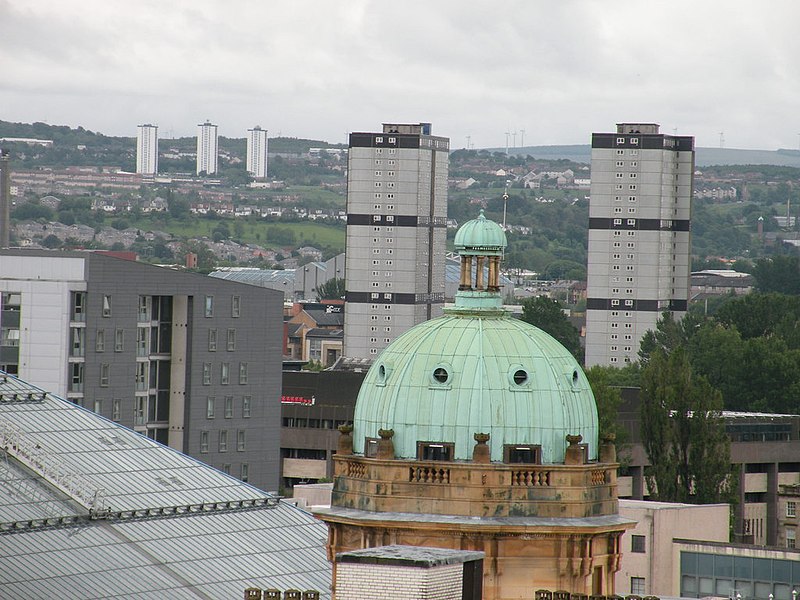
[(608, 398), (781, 273), (683, 433), (51, 241), (331, 289), (668, 334), (547, 315)]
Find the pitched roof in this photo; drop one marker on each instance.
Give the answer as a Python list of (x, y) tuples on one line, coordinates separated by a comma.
[(88, 507)]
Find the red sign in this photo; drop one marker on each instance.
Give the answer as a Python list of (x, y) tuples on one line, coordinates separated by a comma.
[(297, 400)]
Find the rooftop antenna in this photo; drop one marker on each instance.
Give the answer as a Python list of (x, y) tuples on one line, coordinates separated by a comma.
[(468, 141), (507, 134)]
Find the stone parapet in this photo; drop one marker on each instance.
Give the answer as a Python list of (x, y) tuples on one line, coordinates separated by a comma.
[(476, 490)]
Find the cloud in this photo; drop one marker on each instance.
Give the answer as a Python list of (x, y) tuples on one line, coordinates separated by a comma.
[(559, 70)]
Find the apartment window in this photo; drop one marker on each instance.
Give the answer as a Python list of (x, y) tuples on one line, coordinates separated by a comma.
[(100, 341), (637, 543), (244, 472), (231, 341), (145, 303), (106, 305), (632, 187), (620, 152), (620, 163), (790, 537), (226, 468), (223, 441), (203, 442), (207, 373), (243, 373), (240, 441), (141, 376), (209, 306), (620, 140), (98, 405), (228, 407), (791, 509), (637, 586), (142, 340), (225, 373), (618, 175), (212, 340), (79, 306), (247, 402), (613, 359), (105, 370), (78, 336), (633, 175), (119, 340), (116, 409), (635, 141), (210, 402)]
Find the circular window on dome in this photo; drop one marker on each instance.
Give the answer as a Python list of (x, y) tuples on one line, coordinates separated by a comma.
[(575, 379), (441, 375), (383, 374), (518, 377)]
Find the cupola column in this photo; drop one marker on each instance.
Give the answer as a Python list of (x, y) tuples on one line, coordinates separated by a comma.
[(494, 274), (465, 282), (479, 273)]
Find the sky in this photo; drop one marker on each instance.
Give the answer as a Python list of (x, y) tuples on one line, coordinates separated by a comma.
[(551, 71)]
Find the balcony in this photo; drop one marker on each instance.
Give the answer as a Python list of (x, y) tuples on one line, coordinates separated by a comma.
[(473, 489)]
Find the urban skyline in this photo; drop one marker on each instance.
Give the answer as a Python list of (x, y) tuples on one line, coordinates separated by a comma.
[(734, 68)]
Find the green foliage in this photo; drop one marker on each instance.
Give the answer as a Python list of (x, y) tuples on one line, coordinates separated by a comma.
[(683, 433), (668, 335), (331, 289), (282, 236), (51, 241), (32, 211), (547, 315), (608, 398), (780, 273)]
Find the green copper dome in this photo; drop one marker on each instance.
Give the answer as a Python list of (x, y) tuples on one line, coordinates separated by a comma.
[(480, 236), (476, 370)]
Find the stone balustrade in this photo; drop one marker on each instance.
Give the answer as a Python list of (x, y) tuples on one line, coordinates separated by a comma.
[(467, 488)]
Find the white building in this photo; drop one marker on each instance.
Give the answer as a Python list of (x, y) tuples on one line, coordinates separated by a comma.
[(639, 237), (257, 152), (207, 148), (396, 233), (147, 149)]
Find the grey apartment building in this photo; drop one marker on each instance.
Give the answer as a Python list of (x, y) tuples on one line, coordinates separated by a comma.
[(639, 237), (190, 361), (396, 234)]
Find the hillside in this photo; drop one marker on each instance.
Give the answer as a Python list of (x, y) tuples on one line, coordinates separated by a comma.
[(704, 156)]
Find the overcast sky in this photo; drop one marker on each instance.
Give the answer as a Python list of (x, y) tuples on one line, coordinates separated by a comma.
[(557, 69)]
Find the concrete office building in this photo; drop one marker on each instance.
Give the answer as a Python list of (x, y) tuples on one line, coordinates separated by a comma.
[(257, 152), (396, 233), (190, 361), (207, 149), (147, 149), (639, 237)]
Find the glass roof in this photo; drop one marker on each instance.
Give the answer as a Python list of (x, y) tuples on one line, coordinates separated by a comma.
[(56, 448)]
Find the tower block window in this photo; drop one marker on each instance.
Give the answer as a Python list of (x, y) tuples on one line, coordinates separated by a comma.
[(522, 454), (441, 451)]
